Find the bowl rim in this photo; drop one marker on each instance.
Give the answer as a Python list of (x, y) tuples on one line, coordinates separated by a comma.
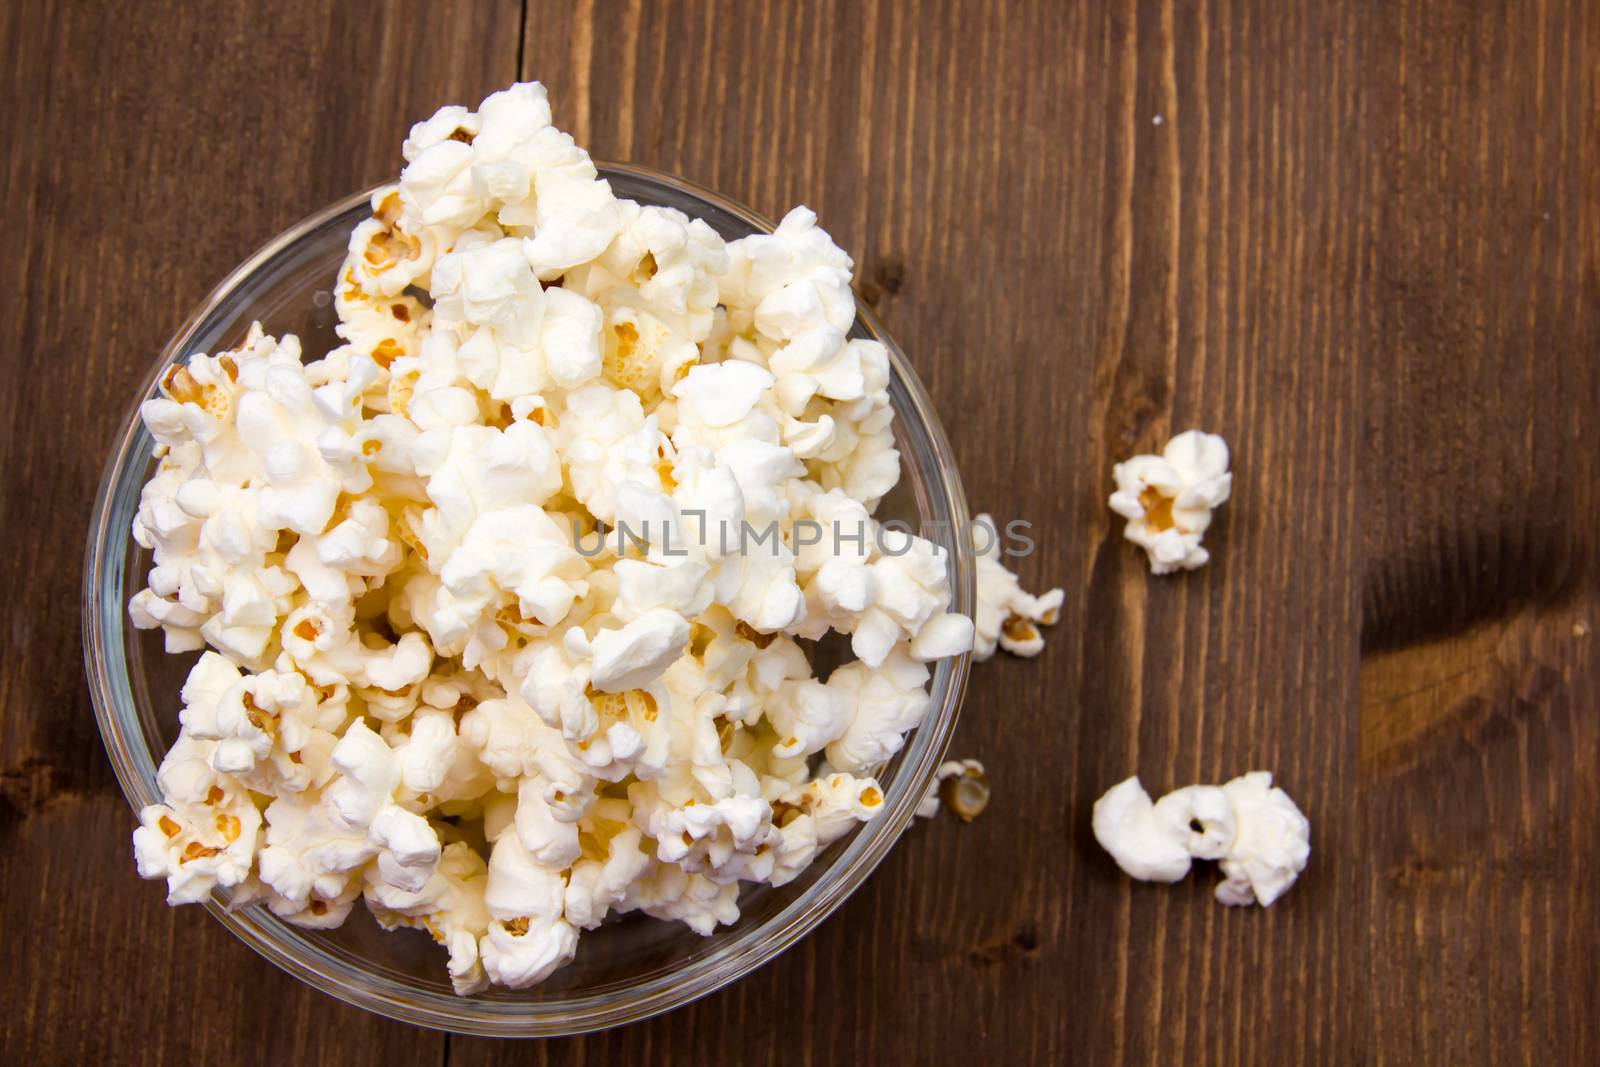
[(582, 1013)]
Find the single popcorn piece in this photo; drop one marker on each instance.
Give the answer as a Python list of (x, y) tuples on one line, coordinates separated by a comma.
[(449, 906), (1007, 617), (1168, 499), (1145, 846), (1271, 845), (506, 601), (1260, 837), (204, 835), (527, 937), (959, 785)]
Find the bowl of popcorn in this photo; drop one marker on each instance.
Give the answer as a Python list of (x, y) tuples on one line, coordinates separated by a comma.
[(529, 595)]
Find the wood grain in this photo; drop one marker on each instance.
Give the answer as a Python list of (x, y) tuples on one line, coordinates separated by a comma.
[(1357, 239)]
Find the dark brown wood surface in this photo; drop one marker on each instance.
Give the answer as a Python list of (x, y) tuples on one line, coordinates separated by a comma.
[(1359, 239)]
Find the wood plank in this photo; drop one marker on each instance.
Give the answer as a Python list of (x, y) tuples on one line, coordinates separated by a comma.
[(1480, 748), (147, 152)]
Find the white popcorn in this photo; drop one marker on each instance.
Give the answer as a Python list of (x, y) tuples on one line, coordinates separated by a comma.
[(528, 937), (1007, 616), (450, 907), (665, 891), (569, 338), (836, 803), (1205, 812), (1256, 832), (384, 257), (809, 716), (317, 846), (448, 123), (1271, 844), (909, 591), (490, 285), (1168, 499), (611, 861), (797, 274), (574, 215), (889, 701), (204, 835), (519, 551), (309, 864), (1148, 848), (717, 405), (639, 652), (437, 187), (659, 274), (469, 466), (500, 595), (212, 580), (281, 423), (273, 731), (606, 440), (312, 913)]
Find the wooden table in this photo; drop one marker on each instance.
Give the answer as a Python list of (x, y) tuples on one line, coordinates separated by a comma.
[(1358, 239)]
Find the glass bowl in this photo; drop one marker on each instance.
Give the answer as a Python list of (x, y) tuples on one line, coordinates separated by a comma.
[(628, 969)]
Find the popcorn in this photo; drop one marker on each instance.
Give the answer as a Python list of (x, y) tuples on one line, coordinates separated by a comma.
[(666, 892), (212, 580), (569, 338), (528, 937), (499, 597), (1168, 499), (468, 466), (888, 702), (670, 262), (383, 258), (836, 803), (272, 730), (1254, 829), (1147, 847), (204, 836), (1271, 843), (606, 440), (280, 422), (518, 551), (809, 716), (1007, 616), (450, 907), (791, 279), (961, 786), (639, 652), (717, 405), (611, 860)]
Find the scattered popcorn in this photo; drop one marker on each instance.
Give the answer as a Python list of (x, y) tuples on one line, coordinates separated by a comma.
[(1271, 844), (1007, 617), (1148, 848), (1168, 499), (500, 597), (961, 786), (1256, 832)]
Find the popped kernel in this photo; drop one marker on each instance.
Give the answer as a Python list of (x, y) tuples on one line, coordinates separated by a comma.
[(1169, 499)]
